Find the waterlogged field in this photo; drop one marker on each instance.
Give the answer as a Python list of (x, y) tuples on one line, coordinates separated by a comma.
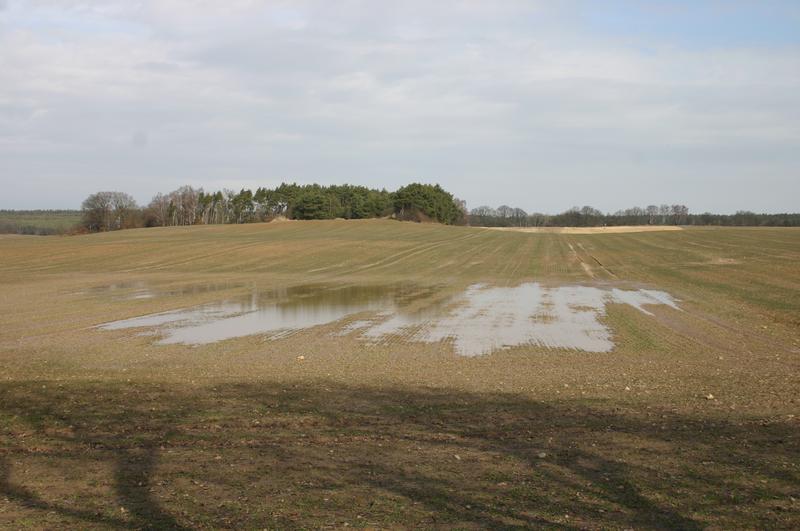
[(479, 321), (377, 373)]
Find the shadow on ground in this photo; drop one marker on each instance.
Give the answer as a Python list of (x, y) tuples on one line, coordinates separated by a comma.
[(153, 456)]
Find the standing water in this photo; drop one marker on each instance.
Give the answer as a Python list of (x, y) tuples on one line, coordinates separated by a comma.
[(478, 321)]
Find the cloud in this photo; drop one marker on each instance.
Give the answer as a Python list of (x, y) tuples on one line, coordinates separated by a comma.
[(520, 102)]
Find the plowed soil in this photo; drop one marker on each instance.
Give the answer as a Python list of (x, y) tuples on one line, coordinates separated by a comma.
[(691, 421)]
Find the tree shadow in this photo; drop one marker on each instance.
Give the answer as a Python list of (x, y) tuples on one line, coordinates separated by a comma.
[(133, 470), (29, 499), (279, 455)]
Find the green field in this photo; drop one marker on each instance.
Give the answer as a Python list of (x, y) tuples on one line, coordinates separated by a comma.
[(41, 222), (691, 421)]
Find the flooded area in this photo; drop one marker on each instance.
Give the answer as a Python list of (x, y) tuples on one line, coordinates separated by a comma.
[(138, 289), (485, 319), (274, 313), (479, 320)]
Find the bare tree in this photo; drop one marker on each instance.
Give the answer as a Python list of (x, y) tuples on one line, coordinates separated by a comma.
[(159, 207), (519, 217), (184, 201), (680, 214), (483, 211), (537, 219), (461, 206), (652, 213), (105, 211), (97, 211), (663, 213), (124, 208), (505, 211)]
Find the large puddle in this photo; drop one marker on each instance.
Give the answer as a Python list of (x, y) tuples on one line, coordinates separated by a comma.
[(477, 321), (139, 289)]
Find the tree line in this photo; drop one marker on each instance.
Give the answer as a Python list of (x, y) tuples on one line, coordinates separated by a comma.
[(587, 216), (104, 211)]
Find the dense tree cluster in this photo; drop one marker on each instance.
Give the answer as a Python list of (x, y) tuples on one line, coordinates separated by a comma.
[(587, 216), (189, 206), (422, 202)]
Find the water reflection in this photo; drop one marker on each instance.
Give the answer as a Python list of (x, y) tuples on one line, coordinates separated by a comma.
[(275, 313), (485, 319), (478, 321), (139, 289)]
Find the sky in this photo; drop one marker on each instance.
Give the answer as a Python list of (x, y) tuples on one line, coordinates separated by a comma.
[(541, 105)]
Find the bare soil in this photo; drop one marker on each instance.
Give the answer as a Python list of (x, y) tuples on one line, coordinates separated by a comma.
[(690, 422)]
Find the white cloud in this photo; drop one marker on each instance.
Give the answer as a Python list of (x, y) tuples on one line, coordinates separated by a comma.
[(131, 95)]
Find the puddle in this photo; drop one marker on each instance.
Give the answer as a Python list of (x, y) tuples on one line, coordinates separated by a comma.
[(486, 319), (478, 321), (274, 313), (135, 290)]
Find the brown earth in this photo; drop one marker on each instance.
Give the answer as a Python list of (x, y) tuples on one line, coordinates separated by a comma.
[(690, 422)]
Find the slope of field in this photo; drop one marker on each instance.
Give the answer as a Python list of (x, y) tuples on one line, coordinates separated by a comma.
[(689, 422)]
